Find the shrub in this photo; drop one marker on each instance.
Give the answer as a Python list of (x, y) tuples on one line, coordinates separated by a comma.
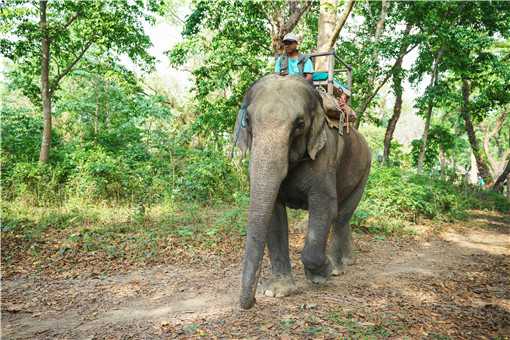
[(206, 175), (394, 196)]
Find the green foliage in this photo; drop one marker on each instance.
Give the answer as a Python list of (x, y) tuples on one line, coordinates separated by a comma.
[(395, 197), (206, 174), (74, 28), (20, 135), (441, 138), (228, 43)]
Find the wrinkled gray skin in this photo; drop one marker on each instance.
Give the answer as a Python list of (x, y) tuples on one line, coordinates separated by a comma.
[(299, 162)]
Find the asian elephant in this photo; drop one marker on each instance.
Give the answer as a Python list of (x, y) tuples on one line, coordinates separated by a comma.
[(297, 161)]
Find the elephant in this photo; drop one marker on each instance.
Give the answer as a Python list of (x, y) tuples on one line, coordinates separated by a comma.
[(297, 161)]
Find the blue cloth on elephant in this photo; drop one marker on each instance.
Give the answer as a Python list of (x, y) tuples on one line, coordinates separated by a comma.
[(323, 76), (293, 68)]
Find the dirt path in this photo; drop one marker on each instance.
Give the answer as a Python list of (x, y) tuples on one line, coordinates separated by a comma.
[(450, 284)]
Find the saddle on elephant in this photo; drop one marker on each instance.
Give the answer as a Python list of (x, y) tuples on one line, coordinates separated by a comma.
[(338, 112)]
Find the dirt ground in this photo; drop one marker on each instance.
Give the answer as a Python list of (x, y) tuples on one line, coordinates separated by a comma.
[(447, 282)]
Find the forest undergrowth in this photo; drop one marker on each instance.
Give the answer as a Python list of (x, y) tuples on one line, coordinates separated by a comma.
[(76, 235)]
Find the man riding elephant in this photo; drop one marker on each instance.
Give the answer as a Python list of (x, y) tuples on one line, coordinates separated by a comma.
[(295, 63), (297, 161), (292, 62)]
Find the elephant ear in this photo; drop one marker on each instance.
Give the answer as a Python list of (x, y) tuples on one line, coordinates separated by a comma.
[(317, 135), (242, 136)]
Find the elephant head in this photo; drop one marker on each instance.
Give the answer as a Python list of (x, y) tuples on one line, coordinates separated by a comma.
[(284, 123)]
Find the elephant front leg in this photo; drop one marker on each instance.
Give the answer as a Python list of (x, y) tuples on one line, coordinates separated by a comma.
[(281, 283), (317, 265)]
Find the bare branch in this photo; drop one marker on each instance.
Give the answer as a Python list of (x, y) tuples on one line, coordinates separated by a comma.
[(175, 16)]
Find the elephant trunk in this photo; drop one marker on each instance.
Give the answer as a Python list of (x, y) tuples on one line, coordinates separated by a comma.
[(266, 176)]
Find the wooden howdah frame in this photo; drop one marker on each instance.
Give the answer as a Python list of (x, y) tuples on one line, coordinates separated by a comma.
[(332, 58)]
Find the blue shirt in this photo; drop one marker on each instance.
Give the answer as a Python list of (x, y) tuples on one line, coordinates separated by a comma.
[(293, 66)]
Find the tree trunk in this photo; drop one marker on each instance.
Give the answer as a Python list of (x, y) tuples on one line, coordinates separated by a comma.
[(96, 113), (433, 80), (442, 163), (494, 165), (45, 85), (425, 137), (392, 124), (483, 168), (385, 4), (397, 108), (340, 23), (330, 26), (498, 184), (327, 19), (508, 186)]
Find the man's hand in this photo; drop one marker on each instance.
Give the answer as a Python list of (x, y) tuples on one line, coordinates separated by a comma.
[(308, 76)]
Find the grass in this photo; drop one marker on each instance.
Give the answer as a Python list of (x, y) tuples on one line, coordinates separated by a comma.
[(35, 237), (363, 330)]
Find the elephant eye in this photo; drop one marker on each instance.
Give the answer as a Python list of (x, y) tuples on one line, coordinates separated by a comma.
[(299, 124)]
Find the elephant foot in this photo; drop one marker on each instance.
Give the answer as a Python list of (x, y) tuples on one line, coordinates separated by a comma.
[(339, 266), (246, 302), (321, 275), (338, 269), (279, 286), (347, 260)]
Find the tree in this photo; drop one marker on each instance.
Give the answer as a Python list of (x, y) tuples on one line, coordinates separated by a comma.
[(52, 39), (471, 29), (434, 75), (397, 90), (505, 175), (283, 18), (330, 26), (492, 132), (381, 40), (228, 46)]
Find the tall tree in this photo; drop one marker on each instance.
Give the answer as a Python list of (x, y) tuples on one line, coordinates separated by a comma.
[(52, 39), (494, 130), (384, 52), (483, 168), (45, 84), (397, 90), (434, 75), (330, 26)]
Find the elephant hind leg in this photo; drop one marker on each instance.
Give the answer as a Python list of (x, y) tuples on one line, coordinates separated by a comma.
[(340, 248)]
